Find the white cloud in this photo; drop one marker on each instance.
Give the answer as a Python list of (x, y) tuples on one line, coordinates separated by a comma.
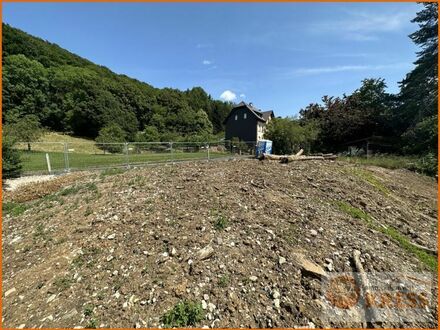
[(243, 96), (206, 62), (364, 26), (228, 95), (343, 68)]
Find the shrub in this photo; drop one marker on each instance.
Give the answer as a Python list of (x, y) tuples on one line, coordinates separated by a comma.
[(11, 161), (184, 313), (426, 165), (221, 223), (114, 135)]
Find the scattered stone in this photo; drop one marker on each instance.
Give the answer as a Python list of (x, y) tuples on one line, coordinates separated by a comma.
[(211, 307), (109, 258), (276, 303), (205, 253), (10, 291), (51, 298), (173, 251), (313, 232), (308, 267), (281, 260), (253, 278), (276, 294), (204, 304), (111, 236)]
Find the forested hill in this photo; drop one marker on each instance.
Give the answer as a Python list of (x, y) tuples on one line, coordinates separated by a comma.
[(71, 94)]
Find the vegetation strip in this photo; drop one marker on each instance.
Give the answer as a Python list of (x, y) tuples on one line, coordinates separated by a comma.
[(429, 260)]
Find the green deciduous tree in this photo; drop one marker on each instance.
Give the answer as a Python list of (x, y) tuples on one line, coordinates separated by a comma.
[(111, 138), (24, 129), (289, 135)]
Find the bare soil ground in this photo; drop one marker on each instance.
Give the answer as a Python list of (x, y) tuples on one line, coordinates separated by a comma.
[(120, 249)]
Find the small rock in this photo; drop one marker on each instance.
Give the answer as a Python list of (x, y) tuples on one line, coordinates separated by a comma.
[(21, 326), (281, 260), (276, 294), (204, 304), (10, 291), (276, 303), (205, 253), (253, 278), (308, 267), (313, 232), (109, 258), (173, 251), (205, 296), (320, 229), (211, 307), (111, 236)]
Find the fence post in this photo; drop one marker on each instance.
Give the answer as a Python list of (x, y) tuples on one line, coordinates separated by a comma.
[(49, 169), (127, 161), (171, 151), (66, 157)]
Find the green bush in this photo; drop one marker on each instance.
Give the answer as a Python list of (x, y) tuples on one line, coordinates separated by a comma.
[(11, 161), (111, 138), (184, 313), (426, 165)]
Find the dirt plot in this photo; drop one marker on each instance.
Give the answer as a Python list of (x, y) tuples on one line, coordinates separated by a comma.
[(249, 241)]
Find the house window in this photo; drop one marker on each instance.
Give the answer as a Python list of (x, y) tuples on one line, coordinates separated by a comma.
[(244, 116), (236, 117)]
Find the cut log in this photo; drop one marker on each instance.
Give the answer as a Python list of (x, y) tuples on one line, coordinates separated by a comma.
[(272, 157), (297, 157), (299, 153)]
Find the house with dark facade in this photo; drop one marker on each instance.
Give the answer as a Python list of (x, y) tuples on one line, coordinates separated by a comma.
[(247, 123)]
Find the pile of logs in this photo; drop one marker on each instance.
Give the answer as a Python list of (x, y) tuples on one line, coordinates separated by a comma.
[(297, 157)]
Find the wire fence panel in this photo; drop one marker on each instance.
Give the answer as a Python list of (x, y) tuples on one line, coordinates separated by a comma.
[(74, 156), (95, 155), (38, 157)]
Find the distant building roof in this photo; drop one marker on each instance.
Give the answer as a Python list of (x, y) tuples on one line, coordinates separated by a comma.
[(261, 115)]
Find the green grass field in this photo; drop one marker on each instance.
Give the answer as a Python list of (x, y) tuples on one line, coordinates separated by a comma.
[(35, 161)]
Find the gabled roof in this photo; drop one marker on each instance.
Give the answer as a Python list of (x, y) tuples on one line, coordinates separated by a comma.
[(260, 115)]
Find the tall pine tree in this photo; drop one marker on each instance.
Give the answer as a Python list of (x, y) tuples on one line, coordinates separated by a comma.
[(417, 115)]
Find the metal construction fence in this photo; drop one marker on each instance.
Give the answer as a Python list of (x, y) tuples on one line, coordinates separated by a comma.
[(58, 157)]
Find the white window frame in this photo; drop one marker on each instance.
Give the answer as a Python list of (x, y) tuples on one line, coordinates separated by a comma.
[(236, 117), (245, 115)]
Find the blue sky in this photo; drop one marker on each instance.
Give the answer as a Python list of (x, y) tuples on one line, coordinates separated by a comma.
[(280, 56)]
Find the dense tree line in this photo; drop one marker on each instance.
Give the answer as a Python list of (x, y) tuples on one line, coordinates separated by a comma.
[(70, 94), (405, 123)]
